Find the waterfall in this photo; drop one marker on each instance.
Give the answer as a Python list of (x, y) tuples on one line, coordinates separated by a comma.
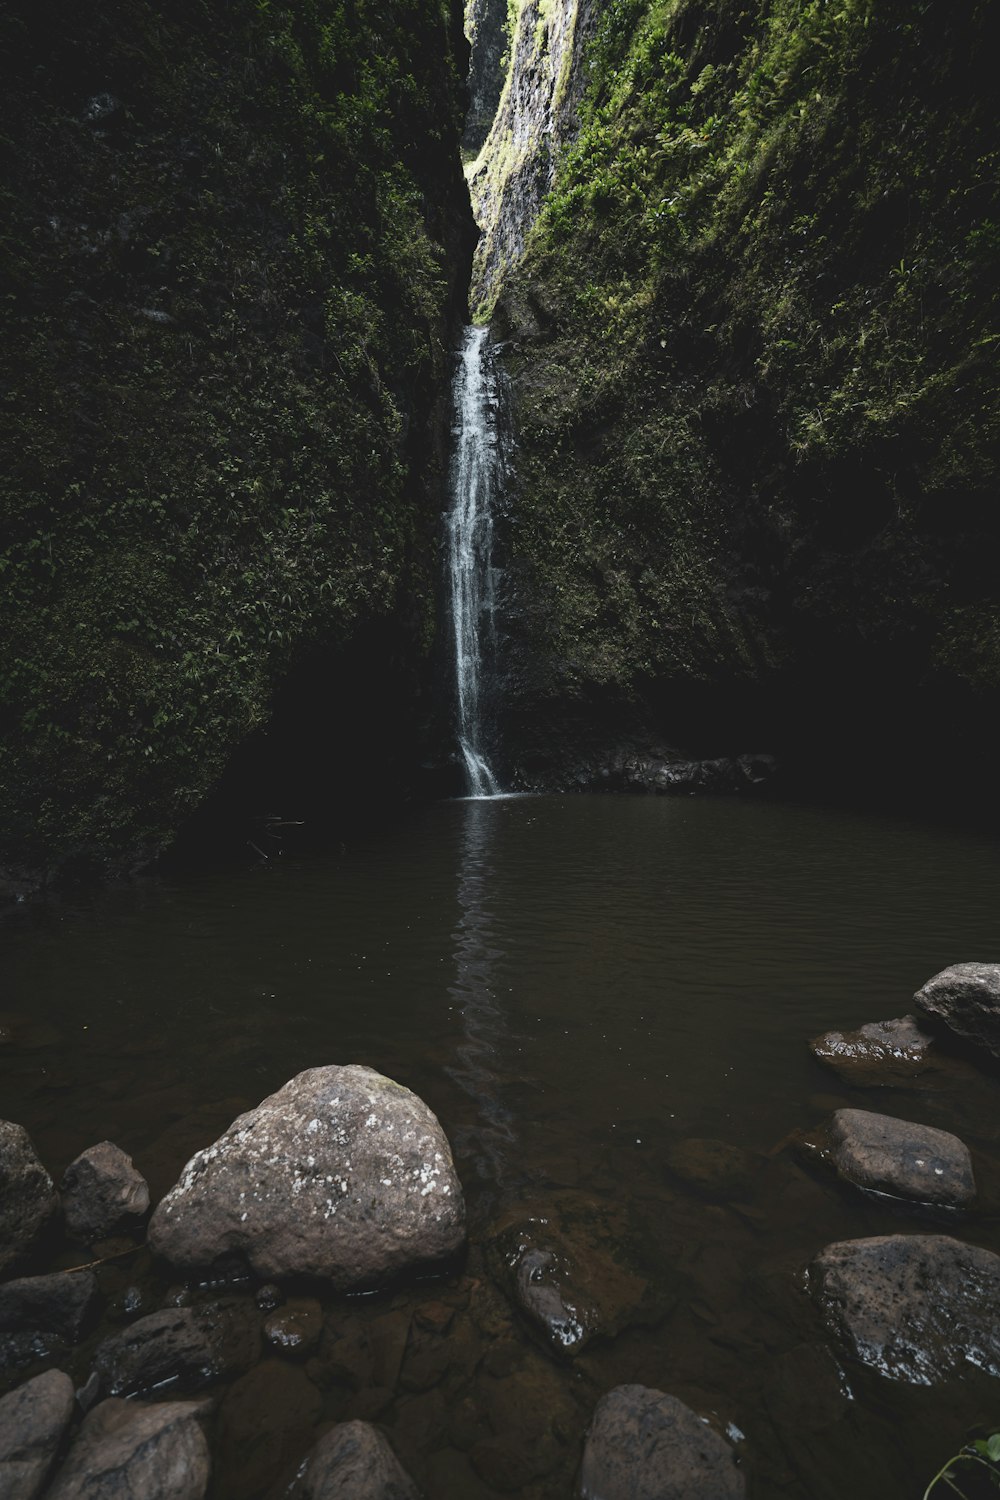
[(475, 467)]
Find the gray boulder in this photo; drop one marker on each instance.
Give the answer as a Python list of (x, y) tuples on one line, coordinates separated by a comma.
[(102, 1192), (60, 1304), (645, 1445), (32, 1422), (341, 1174), (916, 1308), (129, 1451), (966, 999), (880, 1052), (901, 1159), (185, 1346), (353, 1461), (28, 1198)]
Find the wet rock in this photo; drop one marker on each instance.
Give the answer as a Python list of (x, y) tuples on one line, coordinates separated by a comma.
[(28, 1198), (187, 1346), (60, 1304), (880, 1052), (916, 1308), (266, 1421), (902, 1159), (714, 1168), (32, 1422), (341, 1174), (644, 1445), (965, 998), (126, 1450), (353, 1459), (101, 1193), (268, 1297), (296, 1327)]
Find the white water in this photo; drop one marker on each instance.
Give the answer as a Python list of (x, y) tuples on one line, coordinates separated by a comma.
[(470, 532)]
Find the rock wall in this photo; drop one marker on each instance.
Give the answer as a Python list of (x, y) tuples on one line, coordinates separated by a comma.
[(235, 253), (752, 348), (486, 26)]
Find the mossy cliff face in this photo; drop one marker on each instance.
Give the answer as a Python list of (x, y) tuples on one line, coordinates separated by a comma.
[(754, 348), (235, 249)]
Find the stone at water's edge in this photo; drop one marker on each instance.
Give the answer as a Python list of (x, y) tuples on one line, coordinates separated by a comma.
[(916, 1308), (342, 1174), (28, 1199), (61, 1303), (353, 1461), (183, 1346), (901, 1158), (126, 1450), (966, 999), (645, 1445), (101, 1192), (32, 1422), (879, 1052)]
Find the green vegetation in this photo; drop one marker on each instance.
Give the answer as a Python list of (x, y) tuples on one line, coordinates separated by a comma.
[(233, 244), (979, 1458), (754, 345)]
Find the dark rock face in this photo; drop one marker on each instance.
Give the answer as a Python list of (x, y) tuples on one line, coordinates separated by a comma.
[(879, 1052), (28, 1198), (101, 1192), (644, 1445), (900, 1158), (486, 22), (659, 772), (965, 998), (353, 1459), (126, 1450), (60, 1304), (183, 1346), (916, 1308), (32, 1422), (341, 1174)]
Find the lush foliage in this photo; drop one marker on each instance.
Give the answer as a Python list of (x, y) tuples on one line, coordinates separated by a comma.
[(231, 235)]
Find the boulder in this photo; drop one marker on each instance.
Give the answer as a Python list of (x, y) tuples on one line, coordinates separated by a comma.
[(28, 1198), (186, 1346), (341, 1174), (644, 1445), (916, 1308), (965, 998), (60, 1304), (32, 1422), (126, 1450), (353, 1459), (880, 1052), (101, 1193), (904, 1160)]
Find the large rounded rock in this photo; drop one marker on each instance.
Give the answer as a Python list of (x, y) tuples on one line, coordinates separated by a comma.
[(32, 1422), (341, 1174), (125, 1450), (916, 1308), (904, 1160), (101, 1192), (184, 1346), (645, 1445), (966, 999), (353, 1460), (28, 1198)]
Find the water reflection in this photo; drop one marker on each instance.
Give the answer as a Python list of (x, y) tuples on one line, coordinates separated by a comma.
[(486, 1143)]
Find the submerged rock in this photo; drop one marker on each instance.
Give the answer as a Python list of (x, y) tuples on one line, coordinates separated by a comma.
[(880, 1052), (296, 1327), (714, 1168), (126, 1450), (60, 1304), (900, 1158), (353, 1459), (916, 1308), (184, 1346), (28, 1199), (102, 1192), (645, 1445), (966, 999), (32, 1422), (342, 1174)]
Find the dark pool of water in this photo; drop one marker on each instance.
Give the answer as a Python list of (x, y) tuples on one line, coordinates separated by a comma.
[(575, 985)]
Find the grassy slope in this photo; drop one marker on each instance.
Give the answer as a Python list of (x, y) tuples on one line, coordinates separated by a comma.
[(232, 240), (755, 346)]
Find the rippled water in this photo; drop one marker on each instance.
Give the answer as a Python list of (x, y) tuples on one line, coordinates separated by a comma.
[(575, 985)]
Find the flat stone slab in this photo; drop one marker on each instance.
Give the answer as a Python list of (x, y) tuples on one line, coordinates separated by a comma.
[(342, 1174), (878, 1053), (645, 1445), (965, 998), (917, 1308), (900, 1158)]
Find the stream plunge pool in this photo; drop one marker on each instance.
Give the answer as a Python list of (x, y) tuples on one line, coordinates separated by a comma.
[(576, 986)]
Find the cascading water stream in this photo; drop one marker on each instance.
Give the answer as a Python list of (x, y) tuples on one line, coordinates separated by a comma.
[(474, 474)]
